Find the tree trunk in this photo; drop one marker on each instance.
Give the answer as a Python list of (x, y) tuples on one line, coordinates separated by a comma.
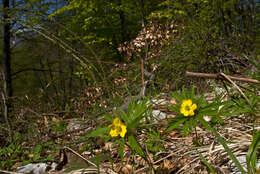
[(7, 90)]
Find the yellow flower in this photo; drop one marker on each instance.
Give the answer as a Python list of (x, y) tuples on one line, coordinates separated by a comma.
[(116, 121), (117, 128), (187, 108)]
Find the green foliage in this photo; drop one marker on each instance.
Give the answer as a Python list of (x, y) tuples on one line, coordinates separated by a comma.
[(135, 146), (99, 21), (214, 109), (36, 151), (17, 151), (251, 157), (204, 160), (59, 126), (217, 108), (11, 153), (243, 107), (208, 31), (238, 105), (154, 141), (121, 149), (205, 32), (133, 120), (98, 132)]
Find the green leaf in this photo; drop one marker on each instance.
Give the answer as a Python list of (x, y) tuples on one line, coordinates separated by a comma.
[(135, 146), (175, 124), (253, 61), (138, 113), (176, 96), (224, 144), (36, 156), (183, 93), (192, 92), (206, 163), (131, 107), (134, 123), (98, 132), (108, 117), (16, 137), (186, 128), (141, 108), (121, 150), (124, 116), (251, 158)]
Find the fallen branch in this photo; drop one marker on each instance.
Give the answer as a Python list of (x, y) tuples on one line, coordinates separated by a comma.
[(235, 85), (218, 76), (8, 172)]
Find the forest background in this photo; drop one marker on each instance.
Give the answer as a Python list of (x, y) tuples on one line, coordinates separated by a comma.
[(80, 58)]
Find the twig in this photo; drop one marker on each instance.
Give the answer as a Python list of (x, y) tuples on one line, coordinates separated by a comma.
[(8, 172), (216, 76), (235, 85), (76, 153), (109, 171), (187, 165)]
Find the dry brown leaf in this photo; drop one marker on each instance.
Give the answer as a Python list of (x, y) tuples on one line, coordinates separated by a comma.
[(127, 169), (173, 101)]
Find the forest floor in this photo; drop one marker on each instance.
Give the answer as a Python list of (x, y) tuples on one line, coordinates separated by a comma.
[(174, 153)]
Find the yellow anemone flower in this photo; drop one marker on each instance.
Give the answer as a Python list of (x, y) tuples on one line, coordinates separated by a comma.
[(187, 108), (117, 128), (123, 130)]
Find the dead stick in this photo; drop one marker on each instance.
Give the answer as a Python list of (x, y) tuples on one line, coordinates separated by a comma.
[(8, 172), (76, 153), (235, 85), (215, 76)]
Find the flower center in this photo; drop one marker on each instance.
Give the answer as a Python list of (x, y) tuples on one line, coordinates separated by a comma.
[(119, 129), (187, 108)]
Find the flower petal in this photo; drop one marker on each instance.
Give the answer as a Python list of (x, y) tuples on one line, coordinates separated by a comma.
[(191, 113), (116, 121), (187, 108), (113, 132), (189, 102), (182, 110), (186, 113), (194, 107), (123, 130)]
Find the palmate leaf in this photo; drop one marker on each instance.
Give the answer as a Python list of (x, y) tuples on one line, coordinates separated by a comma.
[(137, 118), (138, 113), (251, 158), (135, 146), (141, 107)]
